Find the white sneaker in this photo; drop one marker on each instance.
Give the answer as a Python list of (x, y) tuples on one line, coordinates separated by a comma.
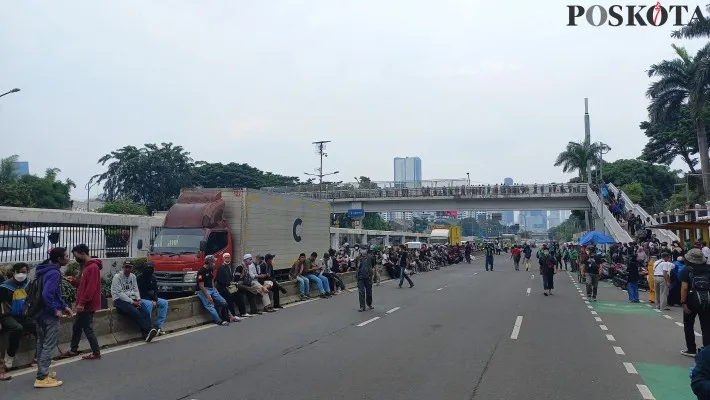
[(247, 315), (161, 332), (9, 361)]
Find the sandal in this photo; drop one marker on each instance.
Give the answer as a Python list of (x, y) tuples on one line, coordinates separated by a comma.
[(91, 357), (5, 377)]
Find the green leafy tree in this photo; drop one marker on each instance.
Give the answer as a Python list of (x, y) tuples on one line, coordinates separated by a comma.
[(684, 81), (526, 234), (670, 139), (122, 206), (696, 29), (366, 183), (634, 191), (374, 221), (657, 181), (32, 190), (235, 175), (470, 227), (566, 230), (578, 155)]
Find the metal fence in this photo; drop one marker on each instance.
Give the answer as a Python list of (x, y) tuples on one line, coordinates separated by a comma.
[(31, 241), (450, 188)]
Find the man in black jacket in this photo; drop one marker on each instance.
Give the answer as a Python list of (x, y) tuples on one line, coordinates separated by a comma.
[(266, 273), (632, 278), (148, 288)]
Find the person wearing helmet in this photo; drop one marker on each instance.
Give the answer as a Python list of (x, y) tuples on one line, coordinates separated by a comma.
[(210, 298)]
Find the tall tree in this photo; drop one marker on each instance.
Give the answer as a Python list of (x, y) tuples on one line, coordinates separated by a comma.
[(122, 206), (152, 175), (671, 139), (31, 190), (578, 155), (684, 80), (374, 221), (696, 29), (657, 181), (366, 183), (235, 175)]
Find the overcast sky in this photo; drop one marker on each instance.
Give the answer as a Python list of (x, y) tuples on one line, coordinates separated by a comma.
[(491, 88)]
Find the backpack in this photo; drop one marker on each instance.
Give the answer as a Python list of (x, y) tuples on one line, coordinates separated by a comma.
[(700, 288), (34, 303)]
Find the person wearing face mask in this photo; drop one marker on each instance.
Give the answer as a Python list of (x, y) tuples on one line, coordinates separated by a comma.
[(209, 296), (591, 270), (148, 288), (12, 300)]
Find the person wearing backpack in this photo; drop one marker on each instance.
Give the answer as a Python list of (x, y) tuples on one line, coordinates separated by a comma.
[(15, 322), (45, 303), (695, 298)]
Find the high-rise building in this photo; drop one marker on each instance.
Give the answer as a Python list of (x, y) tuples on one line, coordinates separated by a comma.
[(407, 170), (554, 219), (508, 216), (22, 168), (535, 221)]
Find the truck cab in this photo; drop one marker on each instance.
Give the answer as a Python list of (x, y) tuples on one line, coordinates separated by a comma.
[(194, 227)]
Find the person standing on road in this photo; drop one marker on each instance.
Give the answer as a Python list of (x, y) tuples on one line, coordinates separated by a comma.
[(695, 298), (88, 301), (403, 263), (365, 273), (632, 280), (591, 270), (548, 268), (662, 280), (515, 253), (489, 255), (527, 251), (49, 276)]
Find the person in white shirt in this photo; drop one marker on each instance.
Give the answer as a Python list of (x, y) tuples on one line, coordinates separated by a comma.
[(706, 252), (662, 279), (252, 281), (127, 300)]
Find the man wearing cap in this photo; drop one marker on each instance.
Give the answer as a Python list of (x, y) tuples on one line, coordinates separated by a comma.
[(662, 280), (266, 273), (209, 296), (695, 298), (127, 300), (148, 288)]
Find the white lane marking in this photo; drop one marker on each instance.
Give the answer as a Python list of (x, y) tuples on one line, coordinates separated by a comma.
[(117, 348), (532, 277), (584, 297), (516, 328), (649, 305), (630, 368), (667, 316), (603, 327), (475, 273), (597, 319), (618, 350), (586, 302), (590, 307), (368, 321), (527, 292), (594, 313), (393, 310), (679, 324), (610, 338), (441, 288), (645, 392), (656, 310), (298, 303)]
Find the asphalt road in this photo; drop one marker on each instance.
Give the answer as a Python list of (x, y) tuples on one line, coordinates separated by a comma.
[(450, 337)]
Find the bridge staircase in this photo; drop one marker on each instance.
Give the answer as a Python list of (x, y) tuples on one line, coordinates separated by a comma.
[(611, 225), (664, 235)]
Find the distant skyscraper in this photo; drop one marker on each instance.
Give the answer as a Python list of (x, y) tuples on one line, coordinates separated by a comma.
[(22, 168), (508, 216), (407, 170), (533, 221), (554, 219)]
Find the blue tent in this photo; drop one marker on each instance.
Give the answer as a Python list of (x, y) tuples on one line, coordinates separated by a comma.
[(596, 237)]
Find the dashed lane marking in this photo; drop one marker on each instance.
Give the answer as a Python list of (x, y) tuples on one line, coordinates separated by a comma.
[(597, 319), (516, 328), (393, 310), (595, 313), (645, 392), (610, 338), (527, 292), (368, 321), (618, 350), (630, 368), (679, 324), (603, 327), (667, 316)]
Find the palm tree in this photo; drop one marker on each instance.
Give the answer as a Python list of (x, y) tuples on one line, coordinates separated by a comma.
[(684, 80), (697, 28), (578, 156)]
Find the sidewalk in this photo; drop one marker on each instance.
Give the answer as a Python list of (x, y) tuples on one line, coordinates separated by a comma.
[(649, 339)]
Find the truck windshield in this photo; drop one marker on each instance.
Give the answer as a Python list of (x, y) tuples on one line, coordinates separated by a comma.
[(176, 241)]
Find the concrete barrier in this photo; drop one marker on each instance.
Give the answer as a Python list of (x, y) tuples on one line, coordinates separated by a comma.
[(112, 328)]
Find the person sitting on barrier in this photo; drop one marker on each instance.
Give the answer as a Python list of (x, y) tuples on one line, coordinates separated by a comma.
[(127, 300), (312, 270), (296, 275), (333, 279), (211, 300), (148, 288), (266, 274), (251, 280), (12, 315)]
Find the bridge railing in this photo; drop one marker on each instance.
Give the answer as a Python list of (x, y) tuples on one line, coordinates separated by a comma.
[(450, 188)]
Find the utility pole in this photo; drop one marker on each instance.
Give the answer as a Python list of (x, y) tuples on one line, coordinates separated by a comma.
[(587, 138), (320, 150)]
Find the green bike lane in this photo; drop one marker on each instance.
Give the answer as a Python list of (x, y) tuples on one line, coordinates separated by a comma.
[(646, 341)]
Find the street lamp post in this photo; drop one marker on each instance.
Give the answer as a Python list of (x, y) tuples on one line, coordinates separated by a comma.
[(602, 150), (15, 90), (88, 187)]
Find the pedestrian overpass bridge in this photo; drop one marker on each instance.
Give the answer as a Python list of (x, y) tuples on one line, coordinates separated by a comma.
[(443, 195)]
